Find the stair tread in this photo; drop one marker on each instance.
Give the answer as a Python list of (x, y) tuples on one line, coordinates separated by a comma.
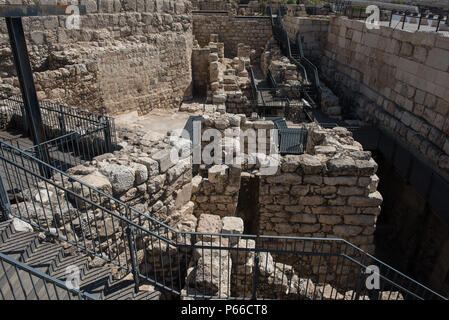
[(60, 267), (44, 256), (120, 290), (17, 244), (95, 281), (148, 295)]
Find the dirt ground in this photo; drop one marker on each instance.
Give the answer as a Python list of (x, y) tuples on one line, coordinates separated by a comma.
[(158, 120)]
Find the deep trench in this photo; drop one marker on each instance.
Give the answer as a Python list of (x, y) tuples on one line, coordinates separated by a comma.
[(409, 235), (248, 203)]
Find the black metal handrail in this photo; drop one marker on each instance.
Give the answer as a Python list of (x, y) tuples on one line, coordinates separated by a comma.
[(74, 135), (153, 251), (281, 35), (33, 284)]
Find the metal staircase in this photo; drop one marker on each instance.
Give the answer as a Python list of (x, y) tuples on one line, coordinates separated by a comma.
[(308, 73), (48, 262)]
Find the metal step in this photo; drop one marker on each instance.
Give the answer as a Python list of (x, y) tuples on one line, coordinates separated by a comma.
[(19, 285), (45, 255), (3, 227), (120, 290), (59, 269), (96, 281), (148, 295), (18, 244)]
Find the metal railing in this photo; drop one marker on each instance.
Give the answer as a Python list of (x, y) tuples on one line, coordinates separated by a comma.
[(21, 282), (417, 18), (73, 135), (402, 17), (306, 68), (207, 265)]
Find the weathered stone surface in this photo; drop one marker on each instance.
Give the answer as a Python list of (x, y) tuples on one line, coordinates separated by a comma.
[(21, 226), (217, 173), (163, 159), (209, 223), (243, 256), (122, 178), (309, 164)]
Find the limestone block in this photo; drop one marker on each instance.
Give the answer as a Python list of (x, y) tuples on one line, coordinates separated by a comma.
[(180, 168), (347, 230), (243, 256), (330, 219), (209, 223), (310, 165), (360, 220), (183, 196), (374, 199), (217, 173), (97, 181), (163, 159), (343, 166), (151, 165), (141, 172)]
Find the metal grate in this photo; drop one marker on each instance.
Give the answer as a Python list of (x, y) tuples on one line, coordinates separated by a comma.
[(292, 140)]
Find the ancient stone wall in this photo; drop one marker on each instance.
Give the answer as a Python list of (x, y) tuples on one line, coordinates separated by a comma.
[(313, 34), (396, 79), (253, 32), (328, 192), (143, 175), (130, 55), (218, 192), (220, 5)]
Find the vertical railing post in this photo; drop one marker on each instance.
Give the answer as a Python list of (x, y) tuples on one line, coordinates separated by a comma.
[(26, 127), (5, 205), (129, 234), (107, 136), (61, 119), (255, 277), (405, 18), (25, 76)]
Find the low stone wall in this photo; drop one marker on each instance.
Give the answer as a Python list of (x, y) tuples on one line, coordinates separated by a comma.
[(218, 192), (328, 192), (396, 79), (253, 32)]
